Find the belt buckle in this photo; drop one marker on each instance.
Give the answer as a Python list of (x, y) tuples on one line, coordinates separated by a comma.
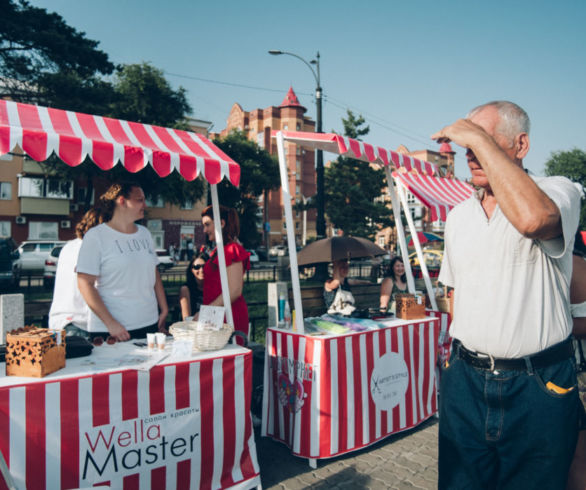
[(492, 364)]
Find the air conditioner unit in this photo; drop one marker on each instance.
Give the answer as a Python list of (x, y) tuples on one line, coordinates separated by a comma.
[(65, 223), (20, 220), (74, 208)]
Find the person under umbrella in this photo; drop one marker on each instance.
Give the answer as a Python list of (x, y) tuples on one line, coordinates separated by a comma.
[(337, 290)]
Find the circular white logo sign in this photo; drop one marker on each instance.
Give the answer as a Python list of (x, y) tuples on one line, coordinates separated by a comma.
[(389, 381)]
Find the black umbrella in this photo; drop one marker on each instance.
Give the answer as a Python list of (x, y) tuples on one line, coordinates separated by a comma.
[(337, 248)]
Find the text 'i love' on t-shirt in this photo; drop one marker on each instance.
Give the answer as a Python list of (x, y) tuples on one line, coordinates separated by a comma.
[(125, 265)]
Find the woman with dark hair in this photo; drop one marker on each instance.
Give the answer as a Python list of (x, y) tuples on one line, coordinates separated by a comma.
[(237, 263), (395, 281), (191, 293), (117, 269)]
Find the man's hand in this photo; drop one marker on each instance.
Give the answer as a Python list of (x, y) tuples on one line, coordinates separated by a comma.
[(118, 332), (463, 132)]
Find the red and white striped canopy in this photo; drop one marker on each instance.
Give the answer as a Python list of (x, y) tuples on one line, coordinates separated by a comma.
[(39, 131), (437, 193), (351, 148)]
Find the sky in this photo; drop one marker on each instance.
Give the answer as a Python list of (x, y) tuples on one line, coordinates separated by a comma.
[(409, 67)]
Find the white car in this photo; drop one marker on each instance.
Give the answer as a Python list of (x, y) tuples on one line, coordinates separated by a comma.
[(51, 266), (33, 254), (277, 251), (254, 260), (165, 260)]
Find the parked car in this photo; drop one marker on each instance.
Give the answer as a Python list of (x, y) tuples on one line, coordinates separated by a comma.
[(433, 258), (165, 260), (262, 253), (277, 251), (8, 257), (254, 260), (33, 254), (51, 266)]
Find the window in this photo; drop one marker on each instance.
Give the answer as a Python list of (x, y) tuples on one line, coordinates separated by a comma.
[(59, 189), (298, 127), (6, 191), (43, 230), (155, 202), (31, 187), (40, 187), (5, 228), (82, 193), (187, 205)]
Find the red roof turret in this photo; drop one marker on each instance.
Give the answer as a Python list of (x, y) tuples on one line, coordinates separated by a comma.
[(291, 100), (446, 148)]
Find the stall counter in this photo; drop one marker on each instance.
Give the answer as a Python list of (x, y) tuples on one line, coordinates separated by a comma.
[(132, 420), (332, 394)]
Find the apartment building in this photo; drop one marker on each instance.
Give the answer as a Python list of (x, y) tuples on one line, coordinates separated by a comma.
[(257, 126)]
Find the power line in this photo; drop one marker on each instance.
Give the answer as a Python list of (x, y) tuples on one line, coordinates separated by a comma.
[(372, 119)]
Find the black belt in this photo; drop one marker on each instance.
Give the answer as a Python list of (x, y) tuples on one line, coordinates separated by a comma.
[(552, 355)]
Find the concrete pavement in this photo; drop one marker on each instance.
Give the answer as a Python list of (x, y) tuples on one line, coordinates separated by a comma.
[(407, 460)]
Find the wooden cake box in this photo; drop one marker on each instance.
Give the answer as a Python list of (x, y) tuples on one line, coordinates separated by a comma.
[(409, 307), (34, 352)]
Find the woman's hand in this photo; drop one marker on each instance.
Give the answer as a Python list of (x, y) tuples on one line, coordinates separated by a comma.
[(118, 331), (162, 323)]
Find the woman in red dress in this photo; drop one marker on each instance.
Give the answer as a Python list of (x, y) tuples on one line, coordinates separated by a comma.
[(237, 263)]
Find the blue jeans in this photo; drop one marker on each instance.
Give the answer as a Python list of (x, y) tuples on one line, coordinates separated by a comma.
[(507, 429)]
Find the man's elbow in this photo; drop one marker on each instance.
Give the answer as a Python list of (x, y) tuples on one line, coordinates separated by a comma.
[(542, 227)]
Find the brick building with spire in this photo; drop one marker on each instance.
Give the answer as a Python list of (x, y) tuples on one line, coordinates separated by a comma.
[(257, 126)]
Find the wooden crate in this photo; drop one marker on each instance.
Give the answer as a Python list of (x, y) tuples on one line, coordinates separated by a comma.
[(408, 308), (33, 352)]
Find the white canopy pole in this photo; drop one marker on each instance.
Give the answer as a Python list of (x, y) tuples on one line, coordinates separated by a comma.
[(290, 234), (221, 256), (400, 232), (415, 238)]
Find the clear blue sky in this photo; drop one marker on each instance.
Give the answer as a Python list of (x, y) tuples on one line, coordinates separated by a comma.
[(409, 67)]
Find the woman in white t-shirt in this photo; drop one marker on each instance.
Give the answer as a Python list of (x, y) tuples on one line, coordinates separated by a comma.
[(117, 269), (68, 309)]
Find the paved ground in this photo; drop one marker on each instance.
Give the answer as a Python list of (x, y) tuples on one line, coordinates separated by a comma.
[(405, 461)]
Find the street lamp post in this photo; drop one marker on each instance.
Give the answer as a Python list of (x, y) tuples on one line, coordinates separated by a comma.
[(320, 225)]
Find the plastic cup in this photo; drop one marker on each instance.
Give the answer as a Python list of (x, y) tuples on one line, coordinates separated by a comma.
[(150, 341), (161, 340)]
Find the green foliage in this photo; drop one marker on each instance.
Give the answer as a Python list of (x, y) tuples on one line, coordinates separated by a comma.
[(351, 187), (144, 95), (45, 61), (571, 164), (259, 171)]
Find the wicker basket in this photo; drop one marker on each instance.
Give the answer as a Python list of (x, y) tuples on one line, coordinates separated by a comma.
[(204, 339)]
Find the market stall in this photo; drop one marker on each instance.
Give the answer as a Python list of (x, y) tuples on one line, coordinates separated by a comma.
[(306, 373), (226, 454), (131, 419), (329, 395)]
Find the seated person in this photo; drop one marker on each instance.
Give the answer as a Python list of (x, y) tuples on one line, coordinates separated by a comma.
[(337, 293), (191, 293), (395, 281)]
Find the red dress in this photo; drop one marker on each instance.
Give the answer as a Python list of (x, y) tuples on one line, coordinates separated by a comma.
[(234, 252)]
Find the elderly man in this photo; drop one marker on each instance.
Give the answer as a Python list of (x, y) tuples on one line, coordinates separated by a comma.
[(508, 398)]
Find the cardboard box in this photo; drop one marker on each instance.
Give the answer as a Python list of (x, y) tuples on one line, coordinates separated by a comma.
[(34, 352), (409, 307)]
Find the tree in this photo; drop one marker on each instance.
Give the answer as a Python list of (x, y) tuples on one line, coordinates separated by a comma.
[(571, 164), (45, 61), (352, 189), (142, 94), (259, 172)]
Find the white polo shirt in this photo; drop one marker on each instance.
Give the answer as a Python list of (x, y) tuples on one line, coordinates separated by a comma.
[(511, 292)]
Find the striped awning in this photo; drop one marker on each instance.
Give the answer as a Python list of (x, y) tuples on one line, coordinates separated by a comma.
[(72, 136), (437, 193), (351, 148)]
